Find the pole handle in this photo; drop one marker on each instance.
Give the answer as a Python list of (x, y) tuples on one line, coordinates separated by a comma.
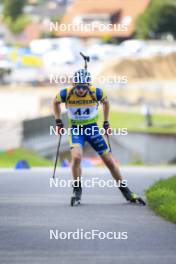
[(86, 59)]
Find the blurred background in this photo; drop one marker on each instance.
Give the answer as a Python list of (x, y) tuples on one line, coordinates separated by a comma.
[(135, 63)]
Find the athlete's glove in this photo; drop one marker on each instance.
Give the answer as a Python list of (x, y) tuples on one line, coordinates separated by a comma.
[(59, 125), (107, 127)]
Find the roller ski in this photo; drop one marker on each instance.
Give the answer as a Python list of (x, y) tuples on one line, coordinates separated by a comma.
[(76, 198), (136, 199), (132, 197)]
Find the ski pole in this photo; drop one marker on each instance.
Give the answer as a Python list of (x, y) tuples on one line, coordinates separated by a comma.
[(109, 144), (57, 155)]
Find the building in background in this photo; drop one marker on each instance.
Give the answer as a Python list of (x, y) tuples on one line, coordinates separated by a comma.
[(124, 12)]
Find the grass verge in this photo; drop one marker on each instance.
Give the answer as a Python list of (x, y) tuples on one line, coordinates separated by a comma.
[(133, 121), (8, 159), (162, 198)]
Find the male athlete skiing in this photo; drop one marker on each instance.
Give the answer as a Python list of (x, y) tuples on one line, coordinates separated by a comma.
[(82, 100)]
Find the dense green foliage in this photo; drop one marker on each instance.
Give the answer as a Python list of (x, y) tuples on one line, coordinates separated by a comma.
[(13, 15), (159, 18), (13, 8), (162, 198)]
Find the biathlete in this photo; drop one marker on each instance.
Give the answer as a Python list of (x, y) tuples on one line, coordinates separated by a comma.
[(82, 100)]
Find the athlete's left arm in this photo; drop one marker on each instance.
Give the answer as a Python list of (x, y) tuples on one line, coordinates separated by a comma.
[(102, 98), (106, 108)]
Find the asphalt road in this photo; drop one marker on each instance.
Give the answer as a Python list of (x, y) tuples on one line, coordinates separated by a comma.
[(29, 209)]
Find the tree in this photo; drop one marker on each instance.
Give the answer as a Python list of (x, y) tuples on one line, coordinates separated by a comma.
[(18, 25), (158, 19), (13, 8), (13, 15)]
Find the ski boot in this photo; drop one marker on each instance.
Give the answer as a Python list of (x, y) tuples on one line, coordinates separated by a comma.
[(76, 198), (131, 196)]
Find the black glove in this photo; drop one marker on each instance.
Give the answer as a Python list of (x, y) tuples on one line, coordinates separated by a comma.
[(59, 125), (107, 127)]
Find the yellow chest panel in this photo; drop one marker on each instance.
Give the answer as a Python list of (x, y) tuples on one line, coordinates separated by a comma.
[(77, 101)]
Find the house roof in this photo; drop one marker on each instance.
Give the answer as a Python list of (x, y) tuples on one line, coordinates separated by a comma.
[(128, 9)]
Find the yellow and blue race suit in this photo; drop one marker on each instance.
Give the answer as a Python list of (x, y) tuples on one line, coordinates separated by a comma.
[(83, 113)]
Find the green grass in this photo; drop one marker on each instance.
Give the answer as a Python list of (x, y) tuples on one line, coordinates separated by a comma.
[(162, 123), (8, 159), (162, 198)]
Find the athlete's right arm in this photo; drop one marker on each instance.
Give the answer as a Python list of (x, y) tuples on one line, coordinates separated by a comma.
[(57, 108), (60, 98), (57, 112)]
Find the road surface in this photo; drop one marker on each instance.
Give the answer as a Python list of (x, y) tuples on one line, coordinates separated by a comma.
[(30, 210)]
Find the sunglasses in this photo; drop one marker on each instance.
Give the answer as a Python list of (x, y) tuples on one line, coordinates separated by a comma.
[(81, 87)]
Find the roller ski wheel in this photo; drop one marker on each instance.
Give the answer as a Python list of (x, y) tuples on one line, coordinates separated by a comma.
[(76, 198), (130, 196), (74, 201), (136, 199)]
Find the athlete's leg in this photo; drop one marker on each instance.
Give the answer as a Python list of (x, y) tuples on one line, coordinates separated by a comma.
[(76, 157), (76, 144), (98, 142), (100, 145), (109, 161), (112, 166)]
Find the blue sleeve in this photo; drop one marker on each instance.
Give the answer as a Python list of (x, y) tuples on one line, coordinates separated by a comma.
[(62, 96), (100, 94)]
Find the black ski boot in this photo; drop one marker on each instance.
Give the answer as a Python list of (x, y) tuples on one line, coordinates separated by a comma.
[(131, 196), (77, 193)]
